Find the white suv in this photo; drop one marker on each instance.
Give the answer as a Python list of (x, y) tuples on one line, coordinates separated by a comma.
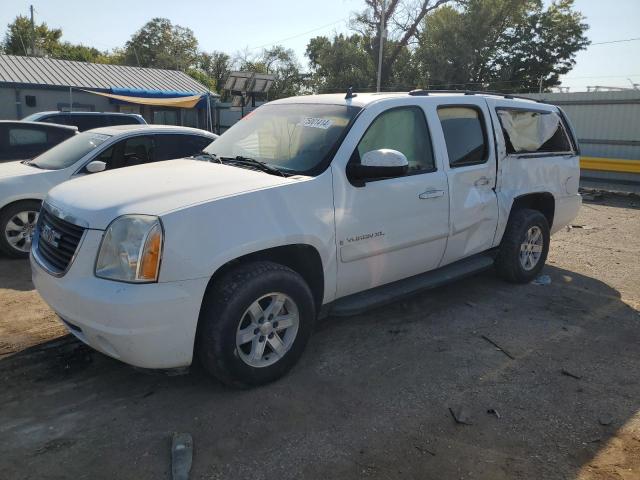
[(308, 206)]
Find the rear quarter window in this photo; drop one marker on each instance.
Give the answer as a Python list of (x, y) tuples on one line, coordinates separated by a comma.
[(530, 131)]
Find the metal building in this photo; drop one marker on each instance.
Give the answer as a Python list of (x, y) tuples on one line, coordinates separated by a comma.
[(35, 84)]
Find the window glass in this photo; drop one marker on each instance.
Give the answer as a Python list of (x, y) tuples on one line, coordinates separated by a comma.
[(405, 130), (26, 136), (178, 146), (122, 120), (295, 138), (138, 150), (70, 151), (87, 122), (532, 132), (464, 135), (59, 119), (107, 157)]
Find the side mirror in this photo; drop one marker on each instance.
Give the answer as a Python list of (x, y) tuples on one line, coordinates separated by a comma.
[(95, 166), (383, 163)]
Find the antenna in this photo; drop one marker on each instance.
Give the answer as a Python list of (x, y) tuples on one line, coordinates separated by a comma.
[(350, 93)]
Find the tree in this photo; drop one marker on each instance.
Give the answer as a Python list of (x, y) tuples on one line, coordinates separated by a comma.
[(18, 39), (279, 62), (160, 44), (402, 20), (506, 45), (217, 66)]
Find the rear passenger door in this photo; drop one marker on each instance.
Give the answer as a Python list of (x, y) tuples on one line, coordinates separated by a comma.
[(466, 137), (169, 147)]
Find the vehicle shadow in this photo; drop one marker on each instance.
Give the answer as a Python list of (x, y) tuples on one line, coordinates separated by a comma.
[(371, 396), (15, 274)]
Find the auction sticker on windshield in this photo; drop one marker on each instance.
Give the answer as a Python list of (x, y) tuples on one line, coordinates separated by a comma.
[(322, 123)]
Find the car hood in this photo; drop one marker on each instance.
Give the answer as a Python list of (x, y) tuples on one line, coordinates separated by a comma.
[(153, 189), (16, 169)]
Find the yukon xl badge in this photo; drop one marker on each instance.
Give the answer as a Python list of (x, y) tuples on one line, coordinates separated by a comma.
[(49, 235)]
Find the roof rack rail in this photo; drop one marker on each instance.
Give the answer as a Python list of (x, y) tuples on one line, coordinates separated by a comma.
[(423, 92)]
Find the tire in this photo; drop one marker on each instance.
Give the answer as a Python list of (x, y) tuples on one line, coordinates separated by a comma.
[(11, 222), (521, 230), (229, 317)]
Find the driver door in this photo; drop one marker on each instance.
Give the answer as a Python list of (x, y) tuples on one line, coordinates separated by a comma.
[(392, 228)]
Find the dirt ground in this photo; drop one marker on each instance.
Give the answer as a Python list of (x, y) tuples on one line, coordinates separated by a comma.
[(372, 395)]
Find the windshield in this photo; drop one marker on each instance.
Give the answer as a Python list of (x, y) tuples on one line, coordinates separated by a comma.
[(69, 152), (295, 138)]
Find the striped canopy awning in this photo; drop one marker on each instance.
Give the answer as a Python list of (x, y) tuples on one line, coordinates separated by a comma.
[(163, 101)]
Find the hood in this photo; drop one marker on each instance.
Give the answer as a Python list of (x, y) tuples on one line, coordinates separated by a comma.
[(16, 169), (154, 189)]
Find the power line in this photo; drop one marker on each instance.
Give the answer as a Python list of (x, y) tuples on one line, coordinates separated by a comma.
[(300, 34), (617, 41)]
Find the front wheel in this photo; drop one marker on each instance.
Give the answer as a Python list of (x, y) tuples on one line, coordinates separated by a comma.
[(524, 246), (17, 226), (255, 323)]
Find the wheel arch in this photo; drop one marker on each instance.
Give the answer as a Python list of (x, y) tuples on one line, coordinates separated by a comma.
[(544, 202), (302, 258)]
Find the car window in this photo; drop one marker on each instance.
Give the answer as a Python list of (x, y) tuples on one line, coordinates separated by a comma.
[(403, 129), (87, 122), (57, 135), (533, 131), (464, 135), (70, 151), (138, 150), (59, 119), (26, 136), (178, 146), (123, 120)]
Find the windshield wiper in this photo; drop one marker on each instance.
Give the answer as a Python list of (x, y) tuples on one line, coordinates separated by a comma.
[(254, 163), (212, 157), (31, 164)]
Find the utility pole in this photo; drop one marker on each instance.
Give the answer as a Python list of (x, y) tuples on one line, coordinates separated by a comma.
[(382, 30), (33, 33), (541, 78)]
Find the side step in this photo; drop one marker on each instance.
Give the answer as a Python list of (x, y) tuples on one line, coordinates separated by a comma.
[(384, 294)]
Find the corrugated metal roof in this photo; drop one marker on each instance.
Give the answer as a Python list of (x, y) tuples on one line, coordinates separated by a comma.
[(66, 73)]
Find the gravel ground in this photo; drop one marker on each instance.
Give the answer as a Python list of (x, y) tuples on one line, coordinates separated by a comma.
[(371, 397)]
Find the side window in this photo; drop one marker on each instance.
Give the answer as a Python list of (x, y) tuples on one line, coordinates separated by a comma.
[(59, 119), (26, 136), (169, 147), (122, 120), (87, 122), (138, 150), (108, 157), (403, 129), (464, 135), (528, 131)]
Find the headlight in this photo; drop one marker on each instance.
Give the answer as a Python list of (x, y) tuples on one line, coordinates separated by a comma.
[(131, 249)]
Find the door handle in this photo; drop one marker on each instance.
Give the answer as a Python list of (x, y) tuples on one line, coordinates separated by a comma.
[(482, 181), (431, 194)]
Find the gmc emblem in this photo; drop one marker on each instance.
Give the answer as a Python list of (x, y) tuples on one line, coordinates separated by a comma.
[(50, 236)]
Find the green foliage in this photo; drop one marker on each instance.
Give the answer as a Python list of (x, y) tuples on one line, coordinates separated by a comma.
[(17, 40), (160, 44), (282, 64), (505, 45), (217, 66), (202, 77)]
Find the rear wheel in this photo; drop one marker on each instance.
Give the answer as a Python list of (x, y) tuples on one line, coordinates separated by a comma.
[(255, 324), (17, 226), (524, 246)]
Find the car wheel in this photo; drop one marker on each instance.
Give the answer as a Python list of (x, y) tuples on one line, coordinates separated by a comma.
[(524, 247), (255, 323), (17, 226)]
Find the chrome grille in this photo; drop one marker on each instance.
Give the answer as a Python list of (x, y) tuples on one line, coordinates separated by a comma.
[(56, 241)]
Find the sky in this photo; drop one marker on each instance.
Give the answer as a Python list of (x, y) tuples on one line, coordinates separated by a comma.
[(257, 24)]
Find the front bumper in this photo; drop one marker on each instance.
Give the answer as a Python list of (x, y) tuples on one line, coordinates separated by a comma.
[(146, 325)]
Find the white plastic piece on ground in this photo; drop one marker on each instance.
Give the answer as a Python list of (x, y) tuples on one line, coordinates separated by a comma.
[(542, 280)]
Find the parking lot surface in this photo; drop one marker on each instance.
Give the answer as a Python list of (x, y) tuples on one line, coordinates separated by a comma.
[(373, 395)]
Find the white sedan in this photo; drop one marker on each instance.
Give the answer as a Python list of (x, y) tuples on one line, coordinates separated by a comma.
[(24, 184)]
